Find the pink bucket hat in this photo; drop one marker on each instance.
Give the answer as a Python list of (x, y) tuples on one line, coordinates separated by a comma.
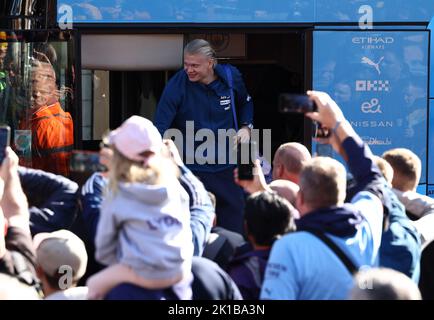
[(135, 136)]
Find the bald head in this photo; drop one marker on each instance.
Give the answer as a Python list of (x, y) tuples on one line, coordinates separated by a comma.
[(286, 189), (288, 161)]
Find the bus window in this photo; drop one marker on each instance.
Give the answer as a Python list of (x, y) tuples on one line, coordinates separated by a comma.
[(36, 101)]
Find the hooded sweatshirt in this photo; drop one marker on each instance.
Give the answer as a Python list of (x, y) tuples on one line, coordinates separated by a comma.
[(147, 228)]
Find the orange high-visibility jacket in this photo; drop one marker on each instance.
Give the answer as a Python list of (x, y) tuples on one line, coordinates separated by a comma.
[(52, 138)]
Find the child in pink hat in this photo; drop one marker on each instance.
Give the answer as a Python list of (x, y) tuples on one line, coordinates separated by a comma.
[(144, 233)]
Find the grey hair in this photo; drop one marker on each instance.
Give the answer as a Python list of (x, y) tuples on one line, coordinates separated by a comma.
[(201, 46)]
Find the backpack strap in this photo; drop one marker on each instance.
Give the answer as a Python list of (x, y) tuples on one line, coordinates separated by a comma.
[(231, 88), (213, 248), (24, 273), (339, 253)]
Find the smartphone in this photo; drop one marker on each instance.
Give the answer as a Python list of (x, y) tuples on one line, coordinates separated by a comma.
[(246, 155), (295, 103), (85, 161), (5, 140)]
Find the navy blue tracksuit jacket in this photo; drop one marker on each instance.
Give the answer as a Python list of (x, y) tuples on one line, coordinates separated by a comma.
[(209, 106)]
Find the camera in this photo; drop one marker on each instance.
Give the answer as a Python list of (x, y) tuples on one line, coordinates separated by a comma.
[(5, 140), (85, 161), (246, 155), (295, 103)]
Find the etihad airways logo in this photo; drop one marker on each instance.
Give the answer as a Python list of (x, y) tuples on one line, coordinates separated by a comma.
[(373, 40)]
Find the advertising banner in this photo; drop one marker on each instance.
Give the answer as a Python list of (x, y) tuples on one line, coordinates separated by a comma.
[(431, 148), (380, 80), (197, 11)]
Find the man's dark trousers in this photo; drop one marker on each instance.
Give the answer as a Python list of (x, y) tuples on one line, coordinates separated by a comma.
[(229, 197)]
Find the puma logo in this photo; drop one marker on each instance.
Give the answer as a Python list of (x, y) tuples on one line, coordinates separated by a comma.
[(368, 61)]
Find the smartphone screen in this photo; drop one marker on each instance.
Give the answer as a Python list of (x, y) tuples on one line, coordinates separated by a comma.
[(5, 139), (298, 103), (246, 155)]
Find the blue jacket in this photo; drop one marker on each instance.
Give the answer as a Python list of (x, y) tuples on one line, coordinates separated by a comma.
[(91, 197), (52, 200), (209, 106), (201, 208), (400, 245)]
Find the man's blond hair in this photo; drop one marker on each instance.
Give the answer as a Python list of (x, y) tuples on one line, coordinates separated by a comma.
[(407, 168), (385, 168), (323, 182)]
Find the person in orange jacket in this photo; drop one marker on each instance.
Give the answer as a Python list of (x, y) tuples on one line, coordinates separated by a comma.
[(52, 130)]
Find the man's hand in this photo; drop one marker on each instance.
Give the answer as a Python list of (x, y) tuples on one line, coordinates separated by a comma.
[(243, 134), (257, 184), (14, 202), (328, 113), (10, 165), (334, 141)]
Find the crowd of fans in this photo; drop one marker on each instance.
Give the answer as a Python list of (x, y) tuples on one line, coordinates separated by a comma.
[(146, 228)]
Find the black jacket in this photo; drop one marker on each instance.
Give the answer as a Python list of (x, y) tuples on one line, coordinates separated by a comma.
[(52, 200)]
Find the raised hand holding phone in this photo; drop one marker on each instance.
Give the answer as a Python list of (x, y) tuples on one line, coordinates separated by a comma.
[(246, 155)]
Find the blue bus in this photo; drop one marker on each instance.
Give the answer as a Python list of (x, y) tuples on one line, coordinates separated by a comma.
[(115, 57)]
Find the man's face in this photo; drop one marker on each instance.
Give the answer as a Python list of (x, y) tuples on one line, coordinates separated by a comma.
[(43, 86), (198, 67), (40, 95)]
